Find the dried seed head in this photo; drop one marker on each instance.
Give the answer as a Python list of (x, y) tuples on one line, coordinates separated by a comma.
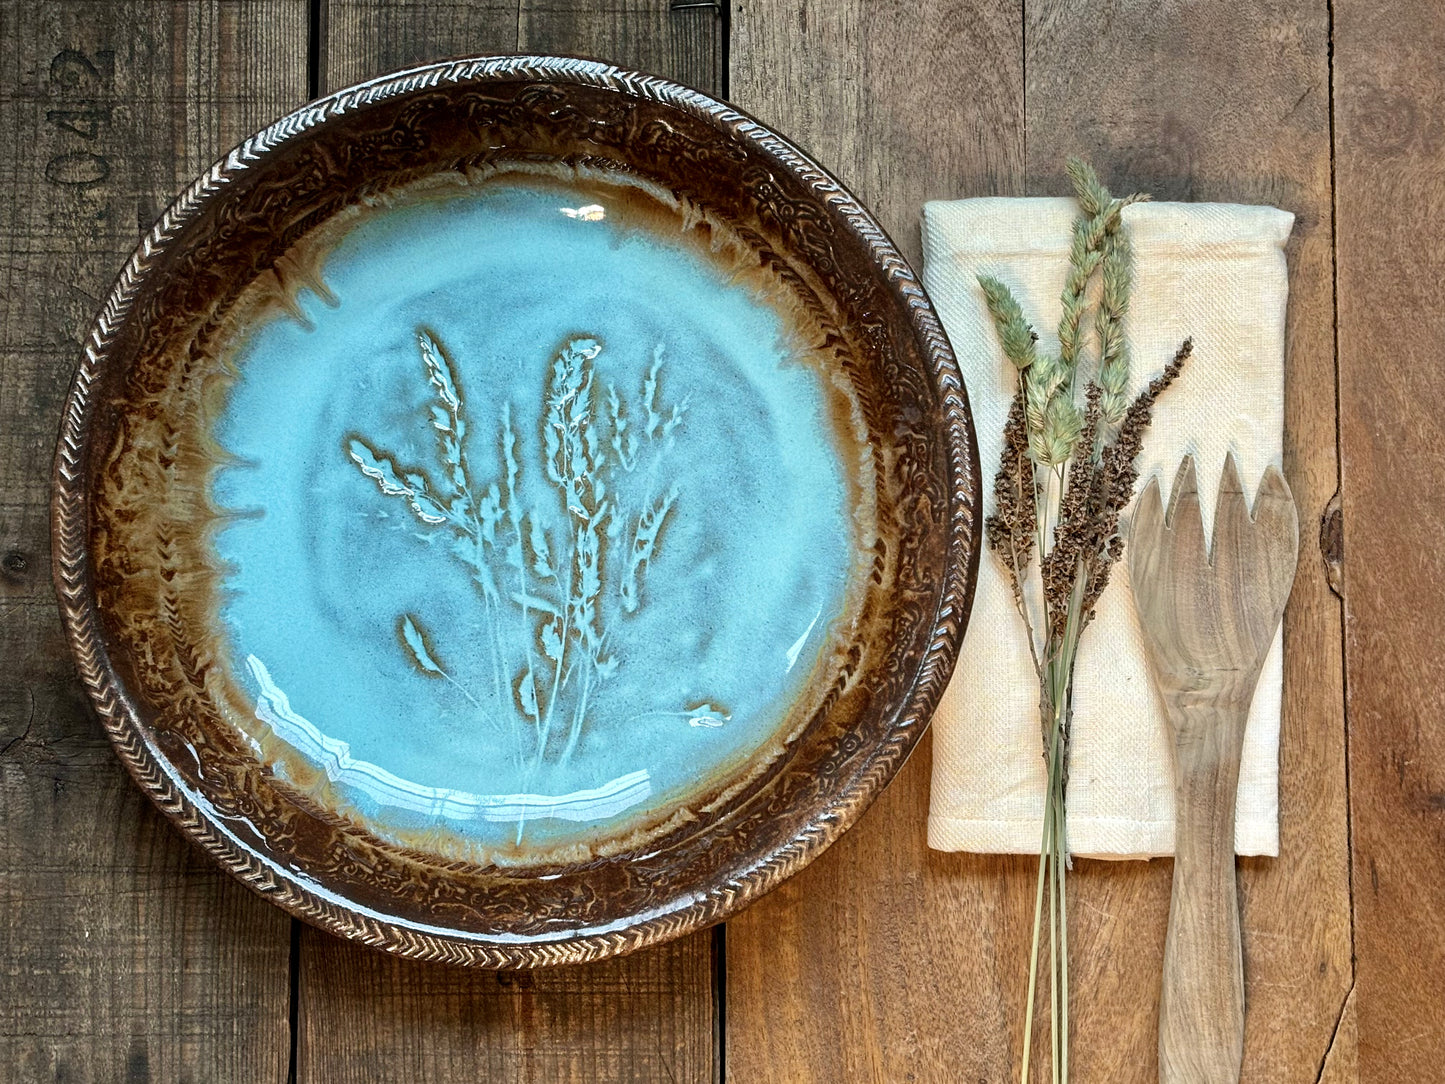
[(1012, 527), (1062, 423), (1109, 322), (1116, 474), (1100, 486), (1093, 197), (1014, 332)]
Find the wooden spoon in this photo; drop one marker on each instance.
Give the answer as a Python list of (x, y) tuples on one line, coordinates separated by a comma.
[(1208, 622)]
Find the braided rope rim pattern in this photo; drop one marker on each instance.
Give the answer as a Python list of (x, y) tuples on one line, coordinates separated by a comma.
[(190, 810)]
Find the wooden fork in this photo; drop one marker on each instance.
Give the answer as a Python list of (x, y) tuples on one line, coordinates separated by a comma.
[(1208, 619)]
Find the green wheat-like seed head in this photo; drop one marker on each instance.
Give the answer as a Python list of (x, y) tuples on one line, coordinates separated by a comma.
[(1016, 336), (1056, 438), (1093, 197)]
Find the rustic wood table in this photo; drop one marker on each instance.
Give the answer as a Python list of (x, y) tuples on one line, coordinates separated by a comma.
[(126, 955)]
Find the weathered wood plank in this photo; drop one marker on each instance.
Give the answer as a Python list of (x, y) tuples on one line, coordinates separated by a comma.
[(128, 955), (683, 43), (1342, 1063), (1389, 94), (1225, 103), (368, 1018), (884, 961), (905, 102), (364, 38), (881, 933)]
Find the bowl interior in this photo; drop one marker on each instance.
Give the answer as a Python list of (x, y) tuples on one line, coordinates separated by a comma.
[(660, 753)]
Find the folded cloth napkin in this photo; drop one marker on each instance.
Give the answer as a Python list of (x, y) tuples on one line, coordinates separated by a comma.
[(1211, 272)]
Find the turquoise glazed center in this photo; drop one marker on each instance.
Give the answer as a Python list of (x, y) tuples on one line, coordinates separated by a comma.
[(537, 522)]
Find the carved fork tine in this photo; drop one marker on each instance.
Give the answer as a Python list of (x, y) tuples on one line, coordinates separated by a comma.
[(1208, 619)]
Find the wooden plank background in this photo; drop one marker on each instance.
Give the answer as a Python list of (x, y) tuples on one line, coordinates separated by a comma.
[(1389, 132), (127, 954), (128, 957)]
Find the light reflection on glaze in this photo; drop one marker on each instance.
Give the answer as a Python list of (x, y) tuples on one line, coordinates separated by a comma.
[(354, 592), (273, 707)]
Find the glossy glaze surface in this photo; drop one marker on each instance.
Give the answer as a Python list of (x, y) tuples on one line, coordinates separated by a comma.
[(537, 518)]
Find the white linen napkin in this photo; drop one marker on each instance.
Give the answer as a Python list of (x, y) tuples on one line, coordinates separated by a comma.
[(1213, 272)]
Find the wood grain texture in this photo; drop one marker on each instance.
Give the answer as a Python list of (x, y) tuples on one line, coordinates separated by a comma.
[(1390, 129), (684, 44), (885, 960), (1342, 1063), (129, 956), (363, 38), (368, 1018), (905, 102)]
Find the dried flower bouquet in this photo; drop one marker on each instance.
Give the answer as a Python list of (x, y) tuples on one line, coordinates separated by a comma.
[(1067, 472)]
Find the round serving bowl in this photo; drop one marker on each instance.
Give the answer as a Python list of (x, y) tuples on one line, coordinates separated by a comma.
[(600, 724)]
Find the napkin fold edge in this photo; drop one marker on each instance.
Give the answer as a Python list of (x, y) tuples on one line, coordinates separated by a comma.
[(1153, 227)]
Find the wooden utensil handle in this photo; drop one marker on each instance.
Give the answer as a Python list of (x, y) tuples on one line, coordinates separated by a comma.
[(1201, 1007)]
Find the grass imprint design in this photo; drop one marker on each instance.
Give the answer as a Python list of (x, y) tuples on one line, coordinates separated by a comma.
[(555, 578)]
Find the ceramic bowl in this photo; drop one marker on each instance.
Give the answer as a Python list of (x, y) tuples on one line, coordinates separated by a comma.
[(515, 511)]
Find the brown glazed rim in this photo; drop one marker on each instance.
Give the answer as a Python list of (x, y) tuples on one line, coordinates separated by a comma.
[(308, 899)]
